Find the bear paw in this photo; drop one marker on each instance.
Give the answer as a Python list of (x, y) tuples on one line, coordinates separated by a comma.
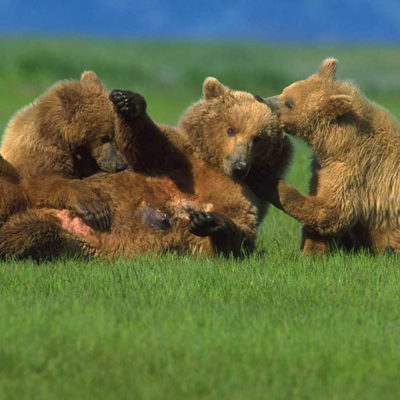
[(93, 210), (96, 215), (204, 223), (128, 104)]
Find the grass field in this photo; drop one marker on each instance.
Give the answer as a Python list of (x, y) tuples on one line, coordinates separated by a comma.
[(274, 326)]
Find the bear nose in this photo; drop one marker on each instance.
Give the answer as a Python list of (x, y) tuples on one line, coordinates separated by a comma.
[(273, 103), (120, 166), (239, 169)]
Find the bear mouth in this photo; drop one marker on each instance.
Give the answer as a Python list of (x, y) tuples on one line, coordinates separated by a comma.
[(239, 175), (240, 170)]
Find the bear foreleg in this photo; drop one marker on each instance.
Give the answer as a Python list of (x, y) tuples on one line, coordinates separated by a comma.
[(314, 213)]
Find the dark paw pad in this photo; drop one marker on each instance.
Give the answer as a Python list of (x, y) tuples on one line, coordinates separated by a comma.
[(127, 103), (204, 223), (97, 215)]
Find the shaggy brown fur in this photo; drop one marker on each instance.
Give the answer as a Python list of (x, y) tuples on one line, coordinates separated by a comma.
[(34, 232), (233, 131), (356, 180), (67, 133), (252, 151), (155, 217), (179, 200), (13, 198), (38, 234)]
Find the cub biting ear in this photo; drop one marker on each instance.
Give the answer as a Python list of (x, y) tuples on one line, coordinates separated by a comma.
[(355, 185)]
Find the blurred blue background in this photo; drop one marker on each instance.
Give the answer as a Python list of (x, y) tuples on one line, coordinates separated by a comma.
[(357, 21)]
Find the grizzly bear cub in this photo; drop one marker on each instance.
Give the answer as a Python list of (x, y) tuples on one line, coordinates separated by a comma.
[(355, 188), (65, 134), (252, 154), (180, 199), (233, 131)]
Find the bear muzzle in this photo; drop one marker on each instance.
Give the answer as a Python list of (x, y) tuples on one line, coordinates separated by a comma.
[(240, 169), (273, 103)]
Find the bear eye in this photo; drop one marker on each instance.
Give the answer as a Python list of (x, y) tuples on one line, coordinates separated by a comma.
[(289, 104), (256, 139), (105, 139), (231, 132)]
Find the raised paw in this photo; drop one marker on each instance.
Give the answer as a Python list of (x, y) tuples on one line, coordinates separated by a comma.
[(94, 211), (204, 223), (128, 104)]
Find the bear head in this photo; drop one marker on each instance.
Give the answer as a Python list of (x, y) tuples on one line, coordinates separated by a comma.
[(231, 129), (88, 124), (307, 107)]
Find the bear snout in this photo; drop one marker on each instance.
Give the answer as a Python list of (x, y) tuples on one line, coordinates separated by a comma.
[(120, 166), (240, 169), (111, 159), (273, 103)]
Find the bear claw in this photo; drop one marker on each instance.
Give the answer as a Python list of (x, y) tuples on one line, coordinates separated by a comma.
[(97, 216), (127, 103), (204, 223)]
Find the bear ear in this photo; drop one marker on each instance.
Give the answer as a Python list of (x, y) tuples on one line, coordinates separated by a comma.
[(327, 70), (213, 88), (339, 104), (90, 76)]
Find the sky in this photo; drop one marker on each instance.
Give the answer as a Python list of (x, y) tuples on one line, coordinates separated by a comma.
[(354, 21)]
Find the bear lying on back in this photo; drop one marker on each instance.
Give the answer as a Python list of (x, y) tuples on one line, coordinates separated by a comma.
[(355, 187), (64, 135)]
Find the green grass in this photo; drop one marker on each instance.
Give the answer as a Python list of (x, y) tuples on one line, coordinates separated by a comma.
[(274, 326)]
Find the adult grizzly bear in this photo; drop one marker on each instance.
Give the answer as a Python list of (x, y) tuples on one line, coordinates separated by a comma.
[(64, 135), (355, 186), (179, 199)]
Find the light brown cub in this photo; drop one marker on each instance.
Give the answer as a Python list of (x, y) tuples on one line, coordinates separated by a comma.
[(356, 173), (64, 135)]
